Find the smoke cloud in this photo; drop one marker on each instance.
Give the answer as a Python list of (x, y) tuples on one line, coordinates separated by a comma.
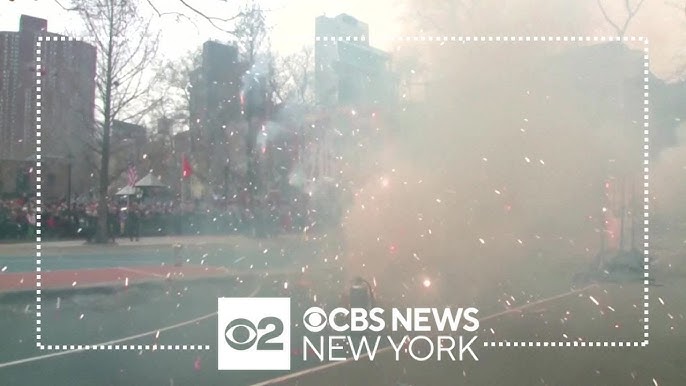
[(499, 169)]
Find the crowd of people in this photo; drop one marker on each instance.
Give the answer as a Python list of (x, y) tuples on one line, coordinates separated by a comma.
[(18, 219)]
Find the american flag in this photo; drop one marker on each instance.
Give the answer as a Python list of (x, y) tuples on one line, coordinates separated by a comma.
[(132, 174)]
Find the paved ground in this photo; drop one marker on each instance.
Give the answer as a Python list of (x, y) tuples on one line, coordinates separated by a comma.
[(93, 317), (601, 314), (88, 316), (75, 265), (571, 318)]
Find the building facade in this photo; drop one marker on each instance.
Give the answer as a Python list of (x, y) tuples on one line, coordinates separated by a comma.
[(350, 71), (67, 75), (217, 125)]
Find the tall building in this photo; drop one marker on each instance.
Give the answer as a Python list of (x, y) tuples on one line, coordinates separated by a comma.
[(67, 103), (128, 136), (215, 113), (350, 71)]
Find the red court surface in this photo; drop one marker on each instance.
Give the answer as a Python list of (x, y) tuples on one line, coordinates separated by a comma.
[(106, 277)]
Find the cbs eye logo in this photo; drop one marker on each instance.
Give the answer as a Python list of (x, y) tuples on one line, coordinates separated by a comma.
[(241, 334), (315, 319), (254, 333)]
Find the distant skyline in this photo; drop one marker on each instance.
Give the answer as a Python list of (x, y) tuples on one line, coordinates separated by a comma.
[(663, 22), (292, 21)]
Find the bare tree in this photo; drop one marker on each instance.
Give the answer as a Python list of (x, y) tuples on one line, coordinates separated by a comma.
[(224, 24), (253, 47), (293, 77), (251, 32), (122, 78), (630, 13), (175, 86)]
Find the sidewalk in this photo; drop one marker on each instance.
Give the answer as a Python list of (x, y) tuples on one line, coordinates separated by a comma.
[(155, 241)]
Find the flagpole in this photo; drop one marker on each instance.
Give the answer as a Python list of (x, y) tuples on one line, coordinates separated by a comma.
[(186, 172), (183, 182)]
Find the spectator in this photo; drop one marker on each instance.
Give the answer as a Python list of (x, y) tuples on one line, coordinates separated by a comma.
[(133, 225), (112, 223)]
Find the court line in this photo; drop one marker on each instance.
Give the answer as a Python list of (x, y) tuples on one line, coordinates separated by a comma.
[(275, 380), (116, 341), (292, 376)]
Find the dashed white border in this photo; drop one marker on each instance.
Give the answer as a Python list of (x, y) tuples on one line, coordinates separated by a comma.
[(71, 347), (460, 39), (646, 193), (39, 227), (646, 209), (123, 347)]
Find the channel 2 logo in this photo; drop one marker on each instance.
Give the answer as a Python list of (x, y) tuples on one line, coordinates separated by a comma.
[(254, 333)]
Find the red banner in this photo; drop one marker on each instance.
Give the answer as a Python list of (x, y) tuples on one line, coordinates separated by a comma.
[(187, 169)]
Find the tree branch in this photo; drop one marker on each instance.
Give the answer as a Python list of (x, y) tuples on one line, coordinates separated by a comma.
[(631, 14), (66, 8), (607, 18), (212, 19)]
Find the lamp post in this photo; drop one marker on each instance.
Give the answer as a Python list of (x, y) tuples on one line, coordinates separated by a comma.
[(70, 158), (227, 171)]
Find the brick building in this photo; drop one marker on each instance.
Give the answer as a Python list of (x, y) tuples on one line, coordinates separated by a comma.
[(67, 107)]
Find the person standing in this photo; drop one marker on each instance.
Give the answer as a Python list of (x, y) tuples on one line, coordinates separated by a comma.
[(31, 223), (112, 223), (133, 225)]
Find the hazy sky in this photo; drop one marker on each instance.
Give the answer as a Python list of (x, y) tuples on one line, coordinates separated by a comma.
[(663, 21), (292, 20)]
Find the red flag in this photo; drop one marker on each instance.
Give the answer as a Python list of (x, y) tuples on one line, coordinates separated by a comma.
[(187, 169)]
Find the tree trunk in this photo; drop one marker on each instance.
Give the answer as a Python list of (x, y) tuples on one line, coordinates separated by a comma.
[(102, 231), (101, 235)]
